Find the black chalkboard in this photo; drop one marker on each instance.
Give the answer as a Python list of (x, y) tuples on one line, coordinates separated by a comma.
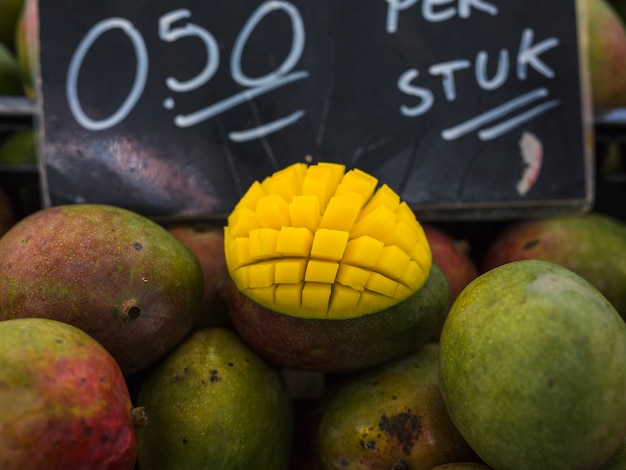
[(174, 108)]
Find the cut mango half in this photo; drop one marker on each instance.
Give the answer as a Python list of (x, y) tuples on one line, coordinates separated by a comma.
[(319, 242)]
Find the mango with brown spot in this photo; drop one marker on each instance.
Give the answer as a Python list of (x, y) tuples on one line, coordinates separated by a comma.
[(391, 417), (214, 404)]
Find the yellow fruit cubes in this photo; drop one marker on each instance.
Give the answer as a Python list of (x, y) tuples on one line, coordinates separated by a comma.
[(319, 242)]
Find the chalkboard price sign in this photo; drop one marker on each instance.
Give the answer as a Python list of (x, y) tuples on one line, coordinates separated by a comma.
[(174, 108)]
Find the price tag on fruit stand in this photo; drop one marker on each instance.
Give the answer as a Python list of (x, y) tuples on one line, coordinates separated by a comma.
[(466, 108)]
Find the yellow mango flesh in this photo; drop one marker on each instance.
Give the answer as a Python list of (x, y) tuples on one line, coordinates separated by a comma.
[(319, 242)]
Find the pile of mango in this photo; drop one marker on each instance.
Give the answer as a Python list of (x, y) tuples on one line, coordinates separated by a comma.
[(300, 339), (321, 326)]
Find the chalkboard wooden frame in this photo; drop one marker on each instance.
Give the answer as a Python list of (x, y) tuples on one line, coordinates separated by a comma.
[(174, 110)]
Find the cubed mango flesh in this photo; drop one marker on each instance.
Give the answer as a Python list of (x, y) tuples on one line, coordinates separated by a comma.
[(319, 242)]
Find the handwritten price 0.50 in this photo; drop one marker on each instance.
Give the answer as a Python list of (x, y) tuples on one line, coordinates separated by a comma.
[(169, 31)]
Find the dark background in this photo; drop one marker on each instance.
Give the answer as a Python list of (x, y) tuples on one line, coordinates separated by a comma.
[(350, 99)]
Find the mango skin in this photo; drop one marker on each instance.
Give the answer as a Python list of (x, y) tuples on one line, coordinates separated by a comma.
[(593, 245), (214, 404), (532, 369), (618, 461), (336, 345), (206, 241), (26, 45), (606, 54), (89, 265), (63, 400), (392, 414), (453, 257)]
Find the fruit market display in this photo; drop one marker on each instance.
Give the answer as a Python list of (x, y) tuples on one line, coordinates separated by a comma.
[(321, 326)]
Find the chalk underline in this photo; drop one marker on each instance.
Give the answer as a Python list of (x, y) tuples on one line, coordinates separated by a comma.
[(499, 111)]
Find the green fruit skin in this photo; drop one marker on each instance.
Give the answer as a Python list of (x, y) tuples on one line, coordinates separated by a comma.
[(533, 369), (63, 400), (9, 15), (10, 75), (214, 404), (392, 414), (592, 245), (328, 345), (86, 264), (19, 148)]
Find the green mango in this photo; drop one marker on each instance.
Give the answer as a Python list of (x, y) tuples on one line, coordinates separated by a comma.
[(19, 148), (532, 369), (10, 75), (214, 404), (9, 14)]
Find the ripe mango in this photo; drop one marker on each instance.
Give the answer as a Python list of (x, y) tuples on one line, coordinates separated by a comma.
[(26, 45), (453, 258), (63, 400), (391, 416), (115, 274), (606, 52), (593, 245), (214, 404), (532, 368), (324, 261), (206, 241), (341, 345)]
